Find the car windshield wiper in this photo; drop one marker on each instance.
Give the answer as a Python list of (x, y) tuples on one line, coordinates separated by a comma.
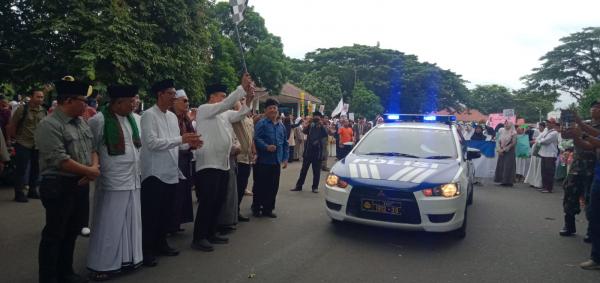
[(392, 154), (438, 157)]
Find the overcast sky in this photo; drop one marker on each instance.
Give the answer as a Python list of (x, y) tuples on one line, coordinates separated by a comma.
[(484, 41)]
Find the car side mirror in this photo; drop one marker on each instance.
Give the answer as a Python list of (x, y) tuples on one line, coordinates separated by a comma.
[(473, 153)]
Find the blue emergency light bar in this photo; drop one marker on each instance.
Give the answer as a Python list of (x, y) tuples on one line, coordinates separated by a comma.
[(388, 118)]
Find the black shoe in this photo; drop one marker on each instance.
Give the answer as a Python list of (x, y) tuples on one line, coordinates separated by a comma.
[(242, 218), (73, 278), (168, 251), (218, 240), (587, 239), (33, 194), (203, 245), (296, 189), (316, 191), (225, 230), (270, 214), (150, 261), (20, 197), (325, 169), (566, 232)]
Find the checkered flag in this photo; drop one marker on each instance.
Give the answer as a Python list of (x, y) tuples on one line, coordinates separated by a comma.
[(238, 7)]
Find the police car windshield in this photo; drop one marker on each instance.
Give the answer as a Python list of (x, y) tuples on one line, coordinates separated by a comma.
[(409, 142)]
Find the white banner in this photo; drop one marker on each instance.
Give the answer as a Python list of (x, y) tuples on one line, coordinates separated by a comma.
[(338, 108)]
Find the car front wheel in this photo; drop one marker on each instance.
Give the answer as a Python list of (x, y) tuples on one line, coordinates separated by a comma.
[(461, 232)]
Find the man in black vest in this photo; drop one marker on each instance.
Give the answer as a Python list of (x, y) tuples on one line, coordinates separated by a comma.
[(313, 150)]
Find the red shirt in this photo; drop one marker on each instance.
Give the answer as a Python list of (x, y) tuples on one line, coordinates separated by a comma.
[(345, 135)]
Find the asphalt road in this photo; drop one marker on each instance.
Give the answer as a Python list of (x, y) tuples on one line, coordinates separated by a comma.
[(512, 237)]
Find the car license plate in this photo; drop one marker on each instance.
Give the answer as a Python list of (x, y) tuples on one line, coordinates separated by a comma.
[(380, 206)]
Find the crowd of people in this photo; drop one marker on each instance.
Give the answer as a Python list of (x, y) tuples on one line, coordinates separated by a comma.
[(143, 166), (540, 156)]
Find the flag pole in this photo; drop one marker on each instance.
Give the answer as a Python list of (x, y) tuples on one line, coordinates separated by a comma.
[(237, 32)]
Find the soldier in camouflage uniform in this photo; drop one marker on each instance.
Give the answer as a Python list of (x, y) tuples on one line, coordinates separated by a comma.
[(578, 183)]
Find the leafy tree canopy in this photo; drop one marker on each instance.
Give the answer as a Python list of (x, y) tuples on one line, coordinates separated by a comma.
[(590, 95), (365, 102), (401, 82), (571, 67)]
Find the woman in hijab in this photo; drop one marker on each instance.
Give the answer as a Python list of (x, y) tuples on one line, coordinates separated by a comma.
[(523, 153), (478, 134), (534, 174), (506, 166)]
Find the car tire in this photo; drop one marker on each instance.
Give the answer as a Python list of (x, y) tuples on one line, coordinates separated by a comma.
[(470, 197), (461, 232)]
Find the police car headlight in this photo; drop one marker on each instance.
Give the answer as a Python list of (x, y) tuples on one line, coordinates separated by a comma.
[(447, 190), (335, 181)]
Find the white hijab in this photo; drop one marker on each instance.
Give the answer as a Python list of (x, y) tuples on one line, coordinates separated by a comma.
[(507, 134)]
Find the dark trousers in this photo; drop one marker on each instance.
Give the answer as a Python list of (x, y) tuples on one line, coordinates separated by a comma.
[(316, 170), (266, 185), (211, 190), (595, 220), (83, 196), (548, 169), (59, 197), (575, 187), (243, 174), (338, 150), (26, 158), (291, 154), (157, 200)]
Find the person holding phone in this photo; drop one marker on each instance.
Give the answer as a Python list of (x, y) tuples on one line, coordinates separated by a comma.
[(588, 137)]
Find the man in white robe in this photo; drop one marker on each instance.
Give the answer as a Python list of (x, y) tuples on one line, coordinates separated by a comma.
[(116, 243)]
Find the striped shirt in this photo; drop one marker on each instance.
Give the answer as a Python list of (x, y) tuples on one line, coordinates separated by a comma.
[(244, 131)]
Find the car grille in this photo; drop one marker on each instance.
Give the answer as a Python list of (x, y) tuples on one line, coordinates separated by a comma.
[(410, 210)]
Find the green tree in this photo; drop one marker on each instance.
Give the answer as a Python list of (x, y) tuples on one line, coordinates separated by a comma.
[(401, 82), (325, 87), (264, 51), (364, 102), (591, 95), (571, 67), (490, 98), (116, 41), (530, 105)]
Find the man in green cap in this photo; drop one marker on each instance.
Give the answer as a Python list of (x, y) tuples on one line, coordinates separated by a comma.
[(67, 164)]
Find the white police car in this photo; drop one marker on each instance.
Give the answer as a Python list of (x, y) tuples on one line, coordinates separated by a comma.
[(413, 172)]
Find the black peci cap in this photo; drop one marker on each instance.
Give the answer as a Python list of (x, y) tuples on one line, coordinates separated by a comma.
[(162, 85), (118, 91), (68, 87), (213, 88)]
